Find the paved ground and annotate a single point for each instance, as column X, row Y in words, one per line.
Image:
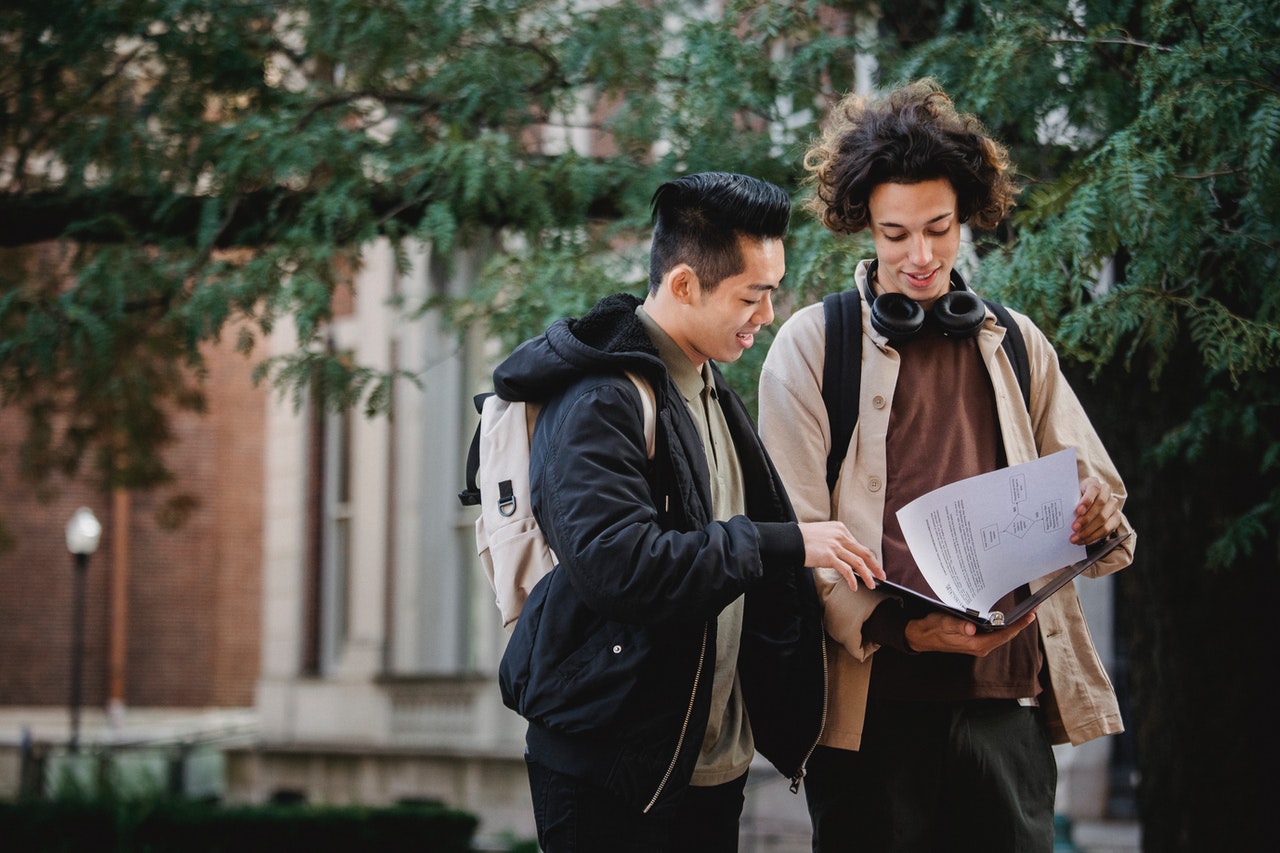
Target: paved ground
column 1107, row 836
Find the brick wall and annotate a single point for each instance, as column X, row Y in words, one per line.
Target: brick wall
column 193, row 593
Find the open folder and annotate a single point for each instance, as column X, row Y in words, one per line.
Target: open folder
column 996, row 619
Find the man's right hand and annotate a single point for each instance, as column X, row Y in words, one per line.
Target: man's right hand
column 829, row 544
column 942, row 632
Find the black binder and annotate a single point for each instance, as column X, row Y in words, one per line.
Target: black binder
column 995, row 620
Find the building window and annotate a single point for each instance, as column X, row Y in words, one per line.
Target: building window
column 335, row 588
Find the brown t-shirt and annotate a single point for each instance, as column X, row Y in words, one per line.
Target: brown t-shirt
column 942, row 428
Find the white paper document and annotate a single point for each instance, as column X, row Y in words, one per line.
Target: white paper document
column 978, row 539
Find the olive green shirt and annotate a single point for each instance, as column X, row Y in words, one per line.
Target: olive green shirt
column 728, row 746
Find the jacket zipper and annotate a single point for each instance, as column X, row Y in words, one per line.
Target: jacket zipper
column 688, row 713
column 822, row 724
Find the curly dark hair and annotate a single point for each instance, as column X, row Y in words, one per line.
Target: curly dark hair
column 911, row 135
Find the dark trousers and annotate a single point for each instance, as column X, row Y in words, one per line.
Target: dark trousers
column 930, row 777
column 575, row 817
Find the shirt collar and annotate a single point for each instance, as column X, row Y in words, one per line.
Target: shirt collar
column 688, row 379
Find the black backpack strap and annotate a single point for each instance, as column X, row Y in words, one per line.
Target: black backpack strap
column 1016, row 348
column 470, row 496
column 841, row 373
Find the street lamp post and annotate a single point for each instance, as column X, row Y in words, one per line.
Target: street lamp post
column 83, row 533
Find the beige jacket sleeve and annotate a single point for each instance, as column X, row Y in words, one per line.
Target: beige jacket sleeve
column 1057, row 421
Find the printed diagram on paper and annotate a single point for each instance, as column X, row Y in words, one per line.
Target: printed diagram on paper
column 980, row 538
column 1050, row 515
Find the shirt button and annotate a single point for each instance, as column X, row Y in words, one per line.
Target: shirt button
column 874, row 484
column 878, row 401
column 617, row 650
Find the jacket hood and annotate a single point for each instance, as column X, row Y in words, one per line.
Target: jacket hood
column 608, row 339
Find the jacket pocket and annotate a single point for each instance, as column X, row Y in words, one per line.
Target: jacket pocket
column 516, row 666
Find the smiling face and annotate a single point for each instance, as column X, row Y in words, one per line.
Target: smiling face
column 722, row 324
column 917, row 238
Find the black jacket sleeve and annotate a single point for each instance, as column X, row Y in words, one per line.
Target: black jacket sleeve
column 620, row 548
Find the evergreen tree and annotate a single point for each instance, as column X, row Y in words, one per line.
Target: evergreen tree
column 1146, row 245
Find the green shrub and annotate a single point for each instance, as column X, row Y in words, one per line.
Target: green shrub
column 178, row 827
column 57, row 827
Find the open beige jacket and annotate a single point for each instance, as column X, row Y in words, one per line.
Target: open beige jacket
column 1080, row 704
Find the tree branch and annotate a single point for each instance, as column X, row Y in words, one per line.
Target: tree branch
column 1126, row 42
column 113, row 216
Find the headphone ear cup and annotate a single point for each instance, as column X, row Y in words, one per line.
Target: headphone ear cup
column 897, row 317
column 960, row 313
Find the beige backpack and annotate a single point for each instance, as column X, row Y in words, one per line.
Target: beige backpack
column 514, row 553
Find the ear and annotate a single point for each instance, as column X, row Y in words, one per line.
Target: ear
column 682, row 282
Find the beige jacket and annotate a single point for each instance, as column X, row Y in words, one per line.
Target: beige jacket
column 1080, row 704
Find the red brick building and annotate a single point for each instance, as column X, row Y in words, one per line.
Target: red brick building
column 172, row 616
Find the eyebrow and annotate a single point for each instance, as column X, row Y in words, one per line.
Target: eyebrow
column 936, row 219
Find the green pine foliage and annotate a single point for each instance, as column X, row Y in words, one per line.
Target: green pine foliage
column 176, row 173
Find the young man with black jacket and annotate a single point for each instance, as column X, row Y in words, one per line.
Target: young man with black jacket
column 681, row 630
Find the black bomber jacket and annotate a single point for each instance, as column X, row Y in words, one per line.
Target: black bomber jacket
column 612, row 657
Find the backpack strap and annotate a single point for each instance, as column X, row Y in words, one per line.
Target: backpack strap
column 470, row 496
column 649, row 405
column 841, row 373
column 1015, row 346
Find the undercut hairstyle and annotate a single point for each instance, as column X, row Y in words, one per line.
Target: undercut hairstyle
column 699, row 219
column 913, row 134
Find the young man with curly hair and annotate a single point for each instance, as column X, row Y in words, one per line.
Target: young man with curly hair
column 939, row 733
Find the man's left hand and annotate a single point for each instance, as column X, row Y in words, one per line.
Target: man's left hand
column 1097, row 514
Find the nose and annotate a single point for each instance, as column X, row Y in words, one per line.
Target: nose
column 764, row 313
column 921, row 251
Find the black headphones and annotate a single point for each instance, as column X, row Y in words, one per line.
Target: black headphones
column 960, row 313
